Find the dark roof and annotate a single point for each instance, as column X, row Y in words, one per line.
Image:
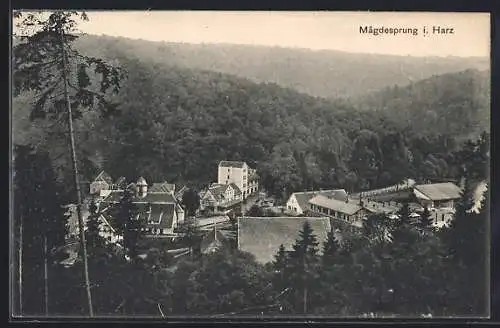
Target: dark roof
column 263, row 236
column 348, row 208
column 237, row 164
column 154, row 215
column 218, row 190
column 162, row 187
column 180, row 193
column 237, row 190
column 152, row 197
column 304, row 197
column 103, row 176
column 440, row 191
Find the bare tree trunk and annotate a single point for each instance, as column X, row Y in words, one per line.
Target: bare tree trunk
column 45, row 276
column 76, row 182
column 305, row 300
column 20, row 266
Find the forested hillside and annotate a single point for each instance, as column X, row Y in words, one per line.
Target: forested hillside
column 318, row 73
column 177, row 124
column 453, row 103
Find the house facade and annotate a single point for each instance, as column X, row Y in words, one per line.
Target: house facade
column 437, row 195
column 237, row 172
column 220, row 197
column 298, row 202
column 102, row 181
column 160, row 211
column 347, row 211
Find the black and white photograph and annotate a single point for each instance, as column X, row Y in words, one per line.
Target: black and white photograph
column 249, row 164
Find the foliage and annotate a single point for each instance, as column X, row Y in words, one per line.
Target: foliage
column 219, row 284
column 126, row 220
column 312, row 73
column 47, row 67
column 191, row 201
column 176, row 123
column 255, row 211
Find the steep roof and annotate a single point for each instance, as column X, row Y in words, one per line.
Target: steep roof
column 104, row 176
column 304, row 197
column 218, row 190
column 237, row 190
column 155, row 197
column 159, row 216
column 440, row 191
column 180, row 192
column 162, row 187
column 336, row 205
column 263, row 236
column 237, row 164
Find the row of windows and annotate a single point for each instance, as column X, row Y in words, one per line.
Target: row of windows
column 332, row 213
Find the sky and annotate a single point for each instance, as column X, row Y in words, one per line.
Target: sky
column 311, row 30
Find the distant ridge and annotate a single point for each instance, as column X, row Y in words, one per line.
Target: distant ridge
column 324, row 73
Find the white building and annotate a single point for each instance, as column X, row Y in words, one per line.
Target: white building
column 298, row 202
column 240, row 174
column 437, row 195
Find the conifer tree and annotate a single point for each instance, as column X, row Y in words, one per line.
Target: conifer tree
column 46, row 63
column 425, row 220
column 304, row 266
column 330, row 249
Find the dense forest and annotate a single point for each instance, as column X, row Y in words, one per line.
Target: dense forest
column 176, row 124
column 456, row 103
column 324, row 73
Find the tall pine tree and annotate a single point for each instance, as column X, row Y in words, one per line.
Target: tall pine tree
column 46, row 63
column 304, row 268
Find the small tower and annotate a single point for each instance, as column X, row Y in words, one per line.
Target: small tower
column 142, row 187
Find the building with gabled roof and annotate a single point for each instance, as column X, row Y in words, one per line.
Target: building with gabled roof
column 239, row 173
column 298, row 202
column 347, row 211
column 102, row 181
column 220, row 197
column 160, row 211
column 437, row 194
column 262, row 236
column 179, row 193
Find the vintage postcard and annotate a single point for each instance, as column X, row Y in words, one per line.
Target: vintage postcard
column 211, row 164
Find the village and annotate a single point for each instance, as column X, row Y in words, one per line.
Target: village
column 225, row 210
